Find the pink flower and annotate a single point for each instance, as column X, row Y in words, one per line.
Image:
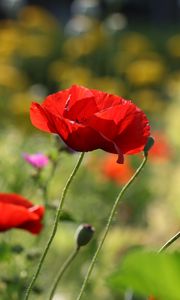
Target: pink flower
column 37, row 160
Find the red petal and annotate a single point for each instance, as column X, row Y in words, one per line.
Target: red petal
column 125, row 125
column 34, row 226
column 108, row 121
column 55, row 103
column 17, row 212
column 81, row 110
column 80, row 105
column 77, row 93
column 83, row 103
column 105, row 100
column 14, row 216
column 38, row 210
column 79, row 137
column 39, row 118
column 134, row 135
column 15, row 199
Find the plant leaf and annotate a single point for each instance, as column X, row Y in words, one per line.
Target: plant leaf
column 149, row 273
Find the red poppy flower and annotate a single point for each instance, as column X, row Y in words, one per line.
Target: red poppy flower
column 88, row 119
column 116, row 172
column 18, row 212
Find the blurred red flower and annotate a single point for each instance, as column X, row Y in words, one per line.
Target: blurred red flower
column 161, row 149
column 89, row 119
column 18, row 212
column 116, row 172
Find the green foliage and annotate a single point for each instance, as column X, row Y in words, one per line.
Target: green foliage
column 5, row 251
column 148, row 273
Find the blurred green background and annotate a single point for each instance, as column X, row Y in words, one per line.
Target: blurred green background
column 128, row 48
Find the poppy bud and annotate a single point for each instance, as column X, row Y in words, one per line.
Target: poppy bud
column 148, row 146
column 84, row 234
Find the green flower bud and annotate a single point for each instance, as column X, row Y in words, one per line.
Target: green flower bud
column 84, row 234
column 148, row 146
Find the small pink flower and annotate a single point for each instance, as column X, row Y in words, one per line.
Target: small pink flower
column 37, row 160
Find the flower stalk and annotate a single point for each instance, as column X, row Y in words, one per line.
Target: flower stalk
column 84, row 235
column 170, row 242
column 64, row 267
column 112, row 213
column 56, row 221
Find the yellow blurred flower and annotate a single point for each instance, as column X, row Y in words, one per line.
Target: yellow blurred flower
column 173, row 122
column 146, row 71
column 149, row 100
column 20, row 103
column 173, row 193
column 66, row 74
column 108, row 84
column 121, row 60
column 12, row 78
column 84, row 44
column 173, row 46
column 134, row 43
column 10, row 37
column 35, row 45
column 173, row 84
column 57, row 69
column 32, row 17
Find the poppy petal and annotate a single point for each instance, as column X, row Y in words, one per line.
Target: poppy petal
column 55, row 103
column 79, row 137
column 124, row 125
column 15, row 199
column 39, row 118
column 14, row 216
column 17, row 212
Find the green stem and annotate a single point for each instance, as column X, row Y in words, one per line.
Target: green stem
column 44, row 187
column 62, row 270
column 56, row 221
column 169, row 242
column 93, row 261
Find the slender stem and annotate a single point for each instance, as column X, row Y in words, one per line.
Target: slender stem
column 62, row 270
column 93, row 261
column 169, row 242
column 45, row 185
column 56, row 221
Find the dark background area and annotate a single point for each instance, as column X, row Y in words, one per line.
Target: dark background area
column 159, row 12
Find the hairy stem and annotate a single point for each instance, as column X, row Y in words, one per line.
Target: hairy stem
column 169, row 242
column 93, row 261
column 56, row 222
column 62, row 270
